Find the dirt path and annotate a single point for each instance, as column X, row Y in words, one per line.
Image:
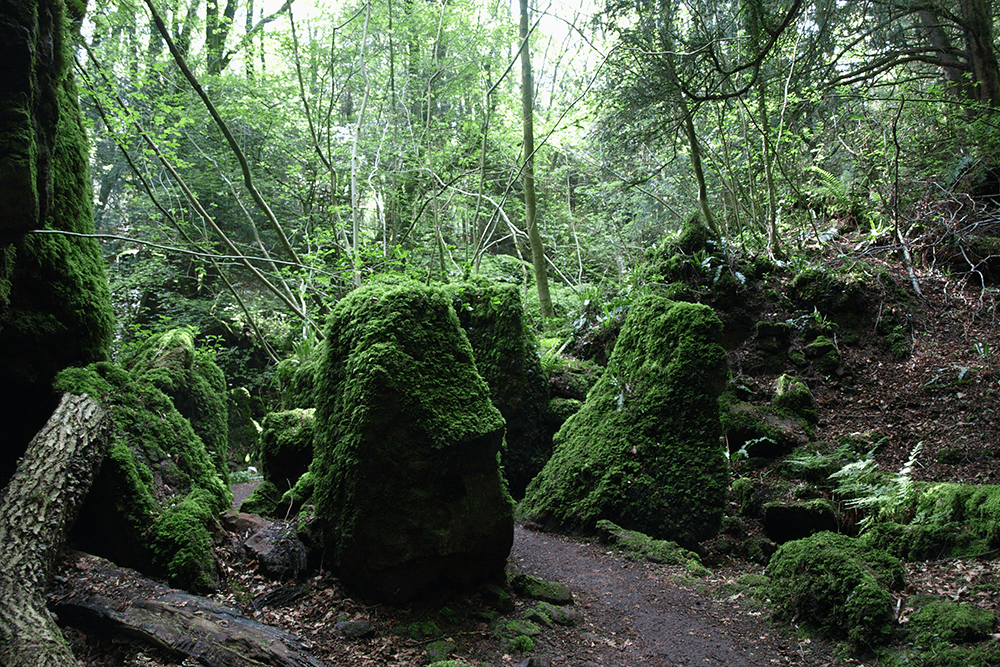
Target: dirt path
column 634, row 615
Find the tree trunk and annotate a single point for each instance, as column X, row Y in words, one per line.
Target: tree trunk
column 528, row 114
column 952, row 67
column 979, row 48
column 699, row 173
column 39, row 506
column 187, row 626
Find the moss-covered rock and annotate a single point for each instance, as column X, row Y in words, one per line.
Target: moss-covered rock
column 820, row 290
column 572, row 378
column 244, row 431
column 823, row 354
column 263, row 501
column 792, row 396
column 920, row 542
column 407, row 481
column 947, row 622
column 644, row 450
column 297, row 382
column 195, row 384
column 642, row 546
column 836, row 585
column 506, row 356
column 286, row 448
column 154, row 503
column 55, row 307
column 760, row 431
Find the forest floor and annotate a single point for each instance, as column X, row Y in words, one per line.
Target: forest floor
column 943, row 396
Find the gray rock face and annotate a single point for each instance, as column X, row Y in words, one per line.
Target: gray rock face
column 273, row 544
column 407, row 482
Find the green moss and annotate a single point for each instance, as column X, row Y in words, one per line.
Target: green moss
column 942, row 656
column 950, row 622
column 506, row 355
column 195, row 384
column 817, row 289
column 763, row 431
column 510, row 628
column 521, row 644
column 286, row 446
column 792, row 395
column 837, row 586
column 263, row 500
column 182, row 542
column 644, row 449
column 644, row 547
column 419, row 629
column 743, row 490
column 297, row 382
column 157, row 473
column 55, row 295
column 406, row 442
column 824, row 355
column 244, row 432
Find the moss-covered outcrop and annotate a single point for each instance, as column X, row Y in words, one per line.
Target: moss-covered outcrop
column 644, row 450
column 244, row 431
column 154, row 504
column 837, row 586
column 507, row 358
column 286, row 448
column 55, row 308
column 195, row 384
column 407, row 482
column 297, row 382
column 945, row 520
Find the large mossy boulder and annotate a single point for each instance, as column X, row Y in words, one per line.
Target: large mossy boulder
column 195, row 384
column 644, row 450
column 406, row 471
column 506, row 355
column 154, row 504
column 286, row 446
column 836, row 585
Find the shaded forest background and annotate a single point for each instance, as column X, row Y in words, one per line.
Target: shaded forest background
column 252, row 163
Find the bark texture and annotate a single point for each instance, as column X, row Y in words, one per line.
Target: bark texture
column 191, row 627
column 39, row 505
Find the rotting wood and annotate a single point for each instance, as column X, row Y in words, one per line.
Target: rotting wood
column 96, row 593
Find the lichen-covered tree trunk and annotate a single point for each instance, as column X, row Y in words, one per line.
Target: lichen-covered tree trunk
column 39, row 505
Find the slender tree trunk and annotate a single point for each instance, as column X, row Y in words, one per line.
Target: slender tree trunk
column 699, row 173
column 39, row 506
column 528, row 113
column 355, row 160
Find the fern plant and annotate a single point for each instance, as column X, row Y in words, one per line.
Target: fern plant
column 882, row 497
column 829, row 186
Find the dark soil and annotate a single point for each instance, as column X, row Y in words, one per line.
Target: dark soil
column 635, row 613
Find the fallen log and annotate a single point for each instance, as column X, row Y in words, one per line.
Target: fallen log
column 39, row 505
column 96, row 593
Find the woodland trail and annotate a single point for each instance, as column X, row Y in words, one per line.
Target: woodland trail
column 634, row 614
